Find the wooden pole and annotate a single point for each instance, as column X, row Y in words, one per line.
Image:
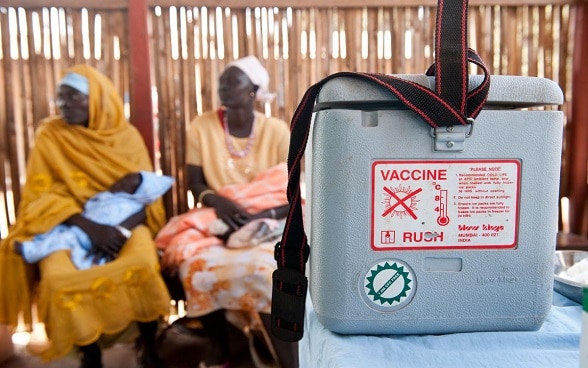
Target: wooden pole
column 579, row 131
column 141, row 104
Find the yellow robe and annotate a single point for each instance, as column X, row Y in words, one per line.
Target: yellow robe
column 68, row 165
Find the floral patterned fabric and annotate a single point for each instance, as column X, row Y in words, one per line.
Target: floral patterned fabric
column 223, row 278
column 215, row 276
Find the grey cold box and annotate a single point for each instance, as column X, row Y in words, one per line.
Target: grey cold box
column 421, row 231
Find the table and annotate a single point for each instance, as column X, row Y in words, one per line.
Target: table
column 556, row 344
column 571, row 241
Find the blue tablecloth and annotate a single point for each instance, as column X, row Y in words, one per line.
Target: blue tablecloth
column 555, row 345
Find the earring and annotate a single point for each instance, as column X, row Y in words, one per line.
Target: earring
column 252, row 94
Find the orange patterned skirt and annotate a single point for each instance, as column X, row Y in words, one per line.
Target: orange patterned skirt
column 215, row 276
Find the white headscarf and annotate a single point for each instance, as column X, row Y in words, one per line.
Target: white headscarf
column 258, row 75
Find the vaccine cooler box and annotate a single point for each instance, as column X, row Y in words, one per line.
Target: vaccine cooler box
column 421, row 231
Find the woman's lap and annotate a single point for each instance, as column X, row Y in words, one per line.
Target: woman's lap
column 77, row 306
column 222, row 278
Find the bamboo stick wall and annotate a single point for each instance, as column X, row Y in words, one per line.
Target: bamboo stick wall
column 191, row 45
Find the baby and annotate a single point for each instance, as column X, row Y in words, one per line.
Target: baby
column 126, row 197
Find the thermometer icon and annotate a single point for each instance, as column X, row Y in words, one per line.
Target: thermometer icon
column 443, row 219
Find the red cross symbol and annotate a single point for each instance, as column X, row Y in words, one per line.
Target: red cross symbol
column 401, row 202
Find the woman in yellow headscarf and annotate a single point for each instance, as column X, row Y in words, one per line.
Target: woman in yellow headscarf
column 76, row 155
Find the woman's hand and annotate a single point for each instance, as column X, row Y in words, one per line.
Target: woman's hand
column 231, row 213
column 106, row 240
column 275, row 213
column 18, row 247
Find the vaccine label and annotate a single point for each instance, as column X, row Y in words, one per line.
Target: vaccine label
column 457, row 204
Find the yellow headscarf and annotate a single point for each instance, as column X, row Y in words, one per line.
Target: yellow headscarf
column 68, row 165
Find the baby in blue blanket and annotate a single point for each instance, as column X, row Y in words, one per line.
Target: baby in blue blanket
column 126, row 197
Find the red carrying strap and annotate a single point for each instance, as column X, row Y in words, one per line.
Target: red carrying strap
column 450, row 104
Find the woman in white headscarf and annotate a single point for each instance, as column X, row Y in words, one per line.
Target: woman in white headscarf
column 223, row 249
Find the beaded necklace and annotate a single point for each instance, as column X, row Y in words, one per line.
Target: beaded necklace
column 230, row 147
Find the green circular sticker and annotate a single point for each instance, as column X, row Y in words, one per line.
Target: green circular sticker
column 389, row 284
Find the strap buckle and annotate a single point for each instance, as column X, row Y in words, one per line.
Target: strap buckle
column 288, row 304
